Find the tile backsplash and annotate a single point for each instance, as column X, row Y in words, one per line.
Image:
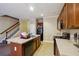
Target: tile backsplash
column 71, row 31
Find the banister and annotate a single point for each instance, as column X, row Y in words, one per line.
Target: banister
column 9, row 28
column 12, row 28
column 10, row 17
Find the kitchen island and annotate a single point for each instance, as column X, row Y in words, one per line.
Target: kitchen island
column 64, row 47
column 24, row 47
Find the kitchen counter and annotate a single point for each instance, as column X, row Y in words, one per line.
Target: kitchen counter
column 20, row 40
column 66, row 48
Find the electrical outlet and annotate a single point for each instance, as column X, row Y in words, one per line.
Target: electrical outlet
column 15, row 48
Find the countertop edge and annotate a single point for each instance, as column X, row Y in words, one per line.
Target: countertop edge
column 25, row 40
column 64, row 49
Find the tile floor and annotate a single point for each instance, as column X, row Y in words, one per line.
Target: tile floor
column 45, row 49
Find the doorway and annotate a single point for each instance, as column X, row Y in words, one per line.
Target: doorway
column 39, row 27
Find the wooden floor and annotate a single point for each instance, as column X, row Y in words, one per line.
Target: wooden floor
column 45, row 49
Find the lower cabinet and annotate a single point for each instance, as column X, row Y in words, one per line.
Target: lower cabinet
column 38, row 42
column 16, row 49
column 29, row 48
column 56, row 51
column 26, row 49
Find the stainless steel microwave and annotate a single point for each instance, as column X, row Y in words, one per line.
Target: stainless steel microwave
column 60, row 24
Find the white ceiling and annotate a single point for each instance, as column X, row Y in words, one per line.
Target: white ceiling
column 21, row 10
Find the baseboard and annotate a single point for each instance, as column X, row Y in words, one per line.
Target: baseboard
column 48, row 41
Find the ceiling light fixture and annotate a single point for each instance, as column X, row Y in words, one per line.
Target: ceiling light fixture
column 31, row 8
column 42, row 15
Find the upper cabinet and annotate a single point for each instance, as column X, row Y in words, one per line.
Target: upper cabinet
column 77, row 15
column 64, row 16
column 69, row 16
column 62, row 19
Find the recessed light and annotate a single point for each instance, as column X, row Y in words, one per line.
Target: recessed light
column 31, row 8
column 42, row 14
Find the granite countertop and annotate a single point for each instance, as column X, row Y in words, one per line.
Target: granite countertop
column 66, row 48
column 21, row 41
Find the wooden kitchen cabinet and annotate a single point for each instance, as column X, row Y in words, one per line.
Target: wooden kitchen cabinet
column 56, row 50
column 77, row 15
column 70, row 16
column 63, row 16
column 73, row 15
column 29, row 48
column 25, row 49
column 38, row 42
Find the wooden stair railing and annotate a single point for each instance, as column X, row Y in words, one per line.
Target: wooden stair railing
column 10, row 17
column 10, row 29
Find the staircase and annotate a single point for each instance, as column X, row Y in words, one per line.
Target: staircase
column 5, row 36
column 9, row 31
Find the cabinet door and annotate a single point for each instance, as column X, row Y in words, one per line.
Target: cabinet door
column 60, row 20
column 64, row 16
column 16, row 49
column 28, row 48
column 38, row 42
column 77, row 15
column 70, row 15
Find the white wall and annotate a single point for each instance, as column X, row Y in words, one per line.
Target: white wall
column 50, row 27
column 6, row 22
column 71, row 31
column 24, row 25
column 28, row 25
column 33, row 26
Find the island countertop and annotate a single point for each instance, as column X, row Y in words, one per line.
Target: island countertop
column 20, row 40
column 67, row 48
